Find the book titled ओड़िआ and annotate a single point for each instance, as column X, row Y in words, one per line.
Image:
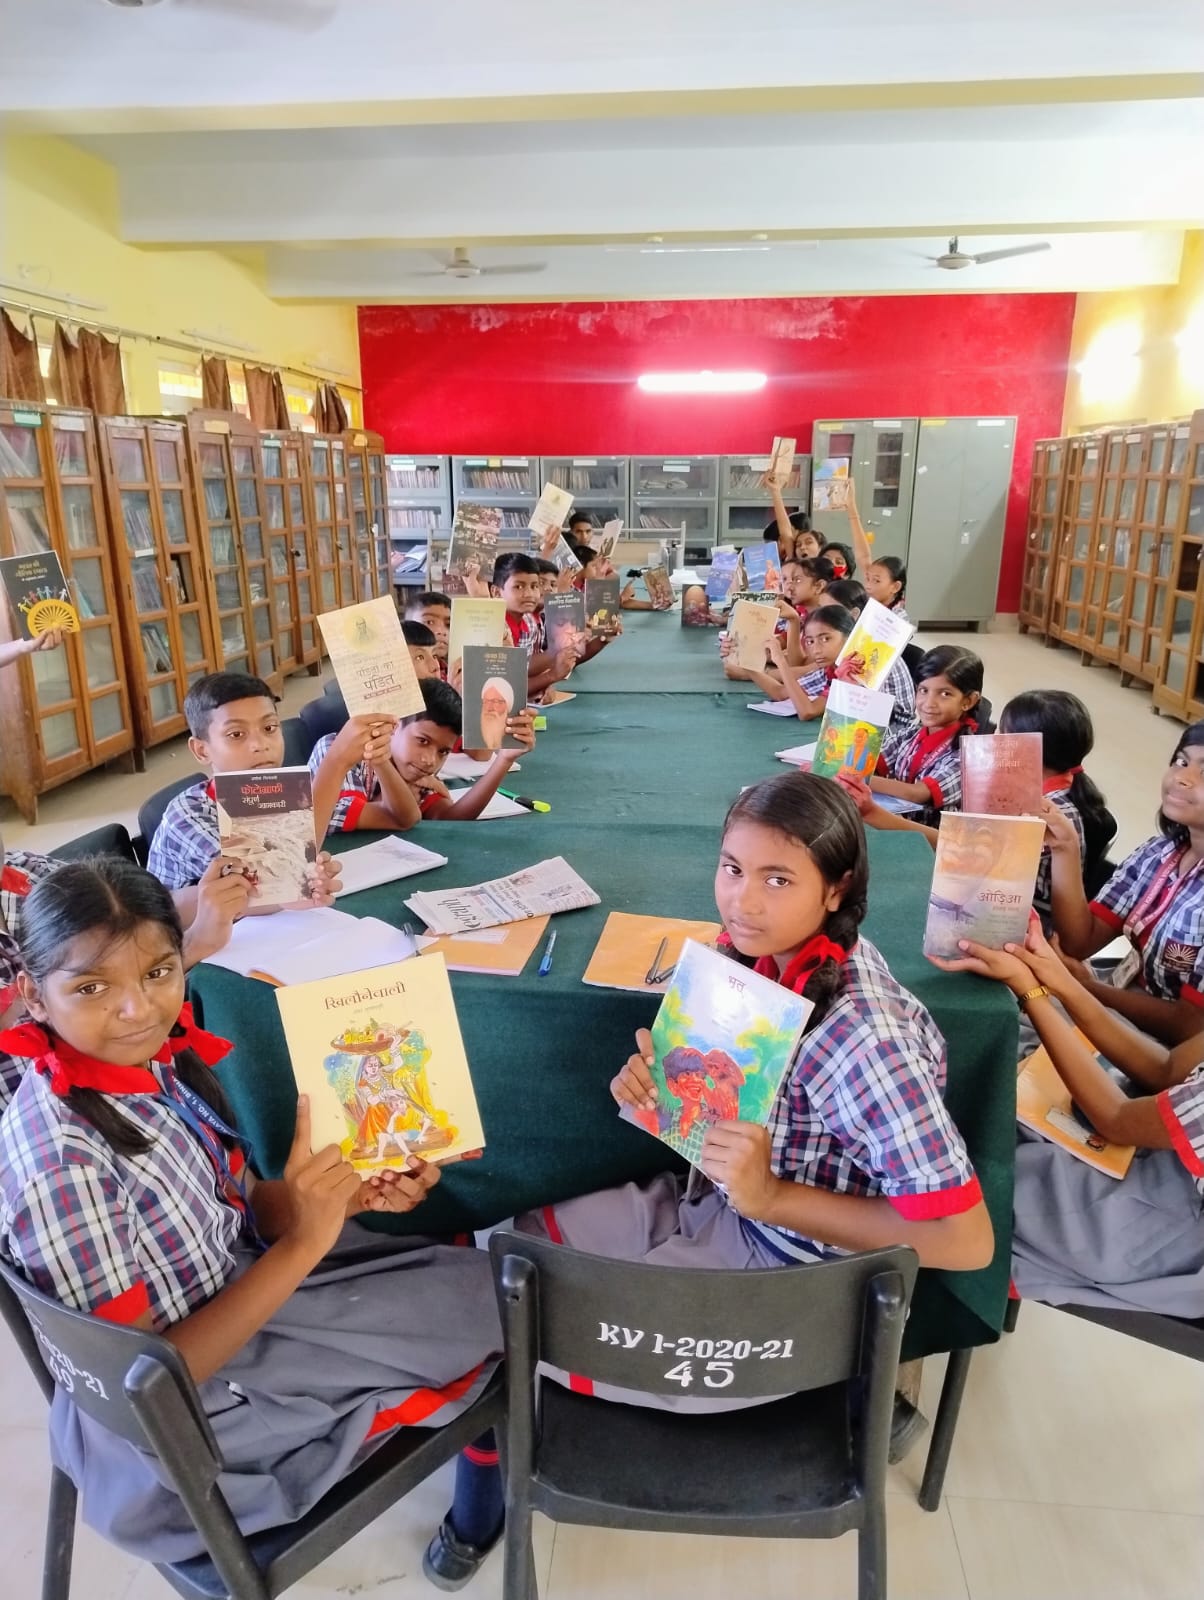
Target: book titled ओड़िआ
column 982, row 881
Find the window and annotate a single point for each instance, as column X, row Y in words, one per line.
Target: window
column 179, row 386
column 300, row 408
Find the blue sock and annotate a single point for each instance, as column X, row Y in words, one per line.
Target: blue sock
column 478, row 1505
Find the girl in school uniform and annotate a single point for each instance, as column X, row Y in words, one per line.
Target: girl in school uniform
column 920, row 762
column 885, row 576
column 126, row 1193
column 1080, row 1236
column 859, row 1151
column 1155, row 898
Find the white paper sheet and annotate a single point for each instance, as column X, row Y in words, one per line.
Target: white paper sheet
column 384, row 861
column 775, row 708
column 300, row 946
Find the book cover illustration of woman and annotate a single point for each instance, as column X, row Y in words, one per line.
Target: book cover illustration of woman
column 379, row 1075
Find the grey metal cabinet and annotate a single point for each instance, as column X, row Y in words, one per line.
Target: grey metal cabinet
column 745, row 507
column 598, row 484
column 963, row 467
column 881, row 453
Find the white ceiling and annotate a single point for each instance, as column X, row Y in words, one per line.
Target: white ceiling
column 355, row 142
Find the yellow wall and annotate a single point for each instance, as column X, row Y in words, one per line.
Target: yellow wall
column 1135, row 370
column 59, row 216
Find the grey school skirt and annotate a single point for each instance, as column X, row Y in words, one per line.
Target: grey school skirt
column 382, row 1323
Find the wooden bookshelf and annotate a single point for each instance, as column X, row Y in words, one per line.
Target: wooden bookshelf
column 1076, row 537
column 1159, row 496
column 365, row 456
column 1046, row 491
column 287, row 514
column 165, row 617
column 1179, row 681
column 326, row 457
column 64, row 711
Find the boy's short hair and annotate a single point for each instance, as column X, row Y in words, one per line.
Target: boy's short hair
column 443, row 706
column 584, row 553
column 428, row 597
column 217, row 689
column 418, row 634
column 580, row 516
column 549, row 569
column 512, row 561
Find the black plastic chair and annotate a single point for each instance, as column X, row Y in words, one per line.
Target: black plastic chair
column 913, row 654
column 150, row 812
column 326, row 714
column 110, row 840
column 298, row 746
column 136, row 1384
column 810, row 1465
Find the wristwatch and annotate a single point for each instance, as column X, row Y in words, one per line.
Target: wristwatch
column 1034, row 993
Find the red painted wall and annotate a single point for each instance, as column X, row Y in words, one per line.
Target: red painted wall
column 560, row 379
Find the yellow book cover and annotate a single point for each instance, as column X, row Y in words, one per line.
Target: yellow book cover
column 502, row 951
column 475, row 622
column 380, row 1056
column 877, row 642
column 640, row 953
column 749, row 632
column 370, row 660
column 1044, row 1104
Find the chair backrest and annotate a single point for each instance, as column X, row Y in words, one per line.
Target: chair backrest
column 674, row 1331
column 331, row 687
column 150, row 813
column 111, row 840
column 913, row 654
column 298, row 745
column 326, row 714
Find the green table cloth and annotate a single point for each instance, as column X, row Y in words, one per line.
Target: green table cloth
column 656, row 652
column 543, row 1050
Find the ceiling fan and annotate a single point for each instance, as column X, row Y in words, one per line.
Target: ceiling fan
column 460, row 266
column 954, row 259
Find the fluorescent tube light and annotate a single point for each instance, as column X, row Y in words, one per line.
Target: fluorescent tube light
column 704, row 382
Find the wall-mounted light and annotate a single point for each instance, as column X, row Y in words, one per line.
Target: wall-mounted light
column 1111, row 364
column 704, row 382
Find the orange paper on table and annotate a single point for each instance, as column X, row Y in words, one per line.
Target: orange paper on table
column 1044, row 1104
column 630, row 948
column 505, row 957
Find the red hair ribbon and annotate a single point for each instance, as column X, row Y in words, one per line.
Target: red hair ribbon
column 805, row 962
column 14, row 881
column 187, row 1035
column 68, row 1068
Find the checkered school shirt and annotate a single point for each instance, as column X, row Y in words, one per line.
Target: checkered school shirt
column 187, row 838
column 359, row 786
column 111, row 1234
column 862, row 1113
column 897, row 683
column 21, row 871
column 1182, row 1110
column 1172, row 951
column 940, row 771
column 1043, row 892
column 527, row 629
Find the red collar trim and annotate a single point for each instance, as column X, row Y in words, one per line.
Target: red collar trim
column 14, row 881
column 211, row 789
column 1060, row 781
column 928, row 743
column 68, row 1068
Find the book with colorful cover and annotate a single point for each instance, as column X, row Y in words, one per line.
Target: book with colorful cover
column 748, row 634
column 762, row 567
column 265, row 820
column 781, row 462
column 560, row 553
column 724, row 577
column 607, row 542
column 494, row 687
column 1001, row 774
column 37, row 591
column 475, row 621
column 369, row 656
column 982, row 881
column 473, row 546
column 723, row 1041
column 696, row 608
column 660, row 590
column 564, row 622
column 552, row 507
column 380, row 1055
column 830, row 484
column 602, row 606
column 641, row 953
column 878, row 639
column 854, row 725
column 1045, row 1105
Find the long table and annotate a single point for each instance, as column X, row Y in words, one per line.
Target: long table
column 656, row 652
column 638, row 784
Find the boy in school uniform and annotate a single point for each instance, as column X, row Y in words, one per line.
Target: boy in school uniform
column 400, row 788
column 433, row 609
column 517, row 579
column 422, row 644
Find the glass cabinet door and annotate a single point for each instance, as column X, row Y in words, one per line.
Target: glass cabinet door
column 262, row 642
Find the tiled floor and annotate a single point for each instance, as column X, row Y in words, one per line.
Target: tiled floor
column 1079, row 1464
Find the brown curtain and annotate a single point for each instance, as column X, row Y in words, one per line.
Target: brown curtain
column 265, row 397
column 215, row 384
column 86, row 372
column 328, row 411
column 20, row 374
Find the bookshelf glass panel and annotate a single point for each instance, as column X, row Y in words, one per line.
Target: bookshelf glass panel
column 1195, row 510
column 18, row 452
column 292, row 463
column 51, row 677
column 190, row 635
column 272, row 459
column 273, row 495
column 248, row 497
column 322, row 501
column 210, row 456
column 243, row 458
column 181, row 578
column 674, row 477
column 107, row 717
column 136, row 519
column 167, row 462
column 60, row 736
column 296, row 505
column 70, row 449
column 252, row 541
column 336, row 460
column 303, row 597
column 129, row 459
column 79, row 518
column 27, row 520
column 164, row 701
column 228, row 585
column 90, row 587
column 217, row 500
column 156, row 649
column 404, row 475
column 329, row 603
column 99, row 659
column 279, row 558
column 175, row 523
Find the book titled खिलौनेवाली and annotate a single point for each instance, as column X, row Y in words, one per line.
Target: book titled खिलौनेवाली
column 380, row 1056
column 723, row 1041
column 370, row 659
column 475, row 621
column 564, row 622
column 1001, row 774
column 494, row 689
column 265, row 820
column 982, row 881
column 854, row 725
column 877, row 642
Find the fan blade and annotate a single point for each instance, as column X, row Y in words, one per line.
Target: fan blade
column 1017, row 250
column 302, row 16
column 521, row 266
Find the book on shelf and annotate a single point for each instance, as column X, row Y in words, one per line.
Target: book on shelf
column 500, row 480
column 602, row 606
column 380, row 1055
column 660, row 590
column 564, row 621
column 982, row 881
column 265, row 820
column 724, row 577
column 607, row 542
column 640, row 953
column 854, row 725
column 473, row 546
column 781, row 462
column 723, row 1042
column 1002, row 774
column 370, row 659
column 475, row 621
column 542, row 889
column 38, row 594
column 551, row 509
column 156, row 650
column 1045, row 1106
column 830, row 484
column 749, row 631
column 761, row 566
column 503, row 952
column 877, row 640
column 494, row 687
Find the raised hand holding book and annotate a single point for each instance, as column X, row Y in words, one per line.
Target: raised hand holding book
column 368, row 652
column 494, row 689
column 829, row 484
column 38, row 594
column 749, row 632
column 552, row 507
column 265, row 820
column 781, row 463
column 875, row 644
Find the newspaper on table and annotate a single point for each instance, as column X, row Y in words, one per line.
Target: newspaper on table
column 536, row 891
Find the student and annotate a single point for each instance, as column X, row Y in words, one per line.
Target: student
column 629, row 601
column 860, row 1151
column 13, row 649
column 580, row 528
column 400, row 787
column 824, row 634
column 1155, row 898
column 846, row 592
column 791, row 529
column 920, row 760
column 549, row 573
column 127, row 1194
column 1081, row 1237
column 516, row 578
column 841, row 557
column 885, row 576
column 234, row 727
column 420, row 642
column 433, row 610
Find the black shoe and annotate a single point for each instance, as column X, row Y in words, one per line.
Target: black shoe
column 448, row 1562
column 908, row 1424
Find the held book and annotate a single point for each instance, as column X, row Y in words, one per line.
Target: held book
column 472, row 549
column 854, row 725
column 641, row 953
column 379, row 1054
column 749, row 632
column 560, row 553
column 37, row 591
column 781, row 462
column 723, row 1039
column 602, row 606
column 724, row 577
column 552, row 507
column 608, row 540
column 1001, row 774
column 878, row 640
column 265, row 820
column 829, row 484
column 660, row 590
column 494, row 688
column 545, row 888
column 475, row 621
column 982, row 881
column 368, row 652
column 564, row 622
column 1044, row 1105
column 762, row 566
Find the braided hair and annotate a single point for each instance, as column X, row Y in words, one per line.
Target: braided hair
column 819, row 815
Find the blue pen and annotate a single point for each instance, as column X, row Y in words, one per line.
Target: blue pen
column 545, row 961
